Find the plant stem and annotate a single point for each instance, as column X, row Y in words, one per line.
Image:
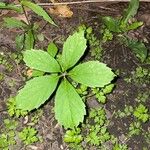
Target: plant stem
column 25, row 13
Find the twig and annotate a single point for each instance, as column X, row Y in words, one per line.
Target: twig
column 83, row 2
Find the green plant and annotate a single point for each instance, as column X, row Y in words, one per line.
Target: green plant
column 10, row 6
column 94, row 43
column 1, row 76
column 7, row 134
column 73, row 136
column 147, row 136
column 12, row 110
column 136, row 46
column 121, row 25
column 140, row 76
column 120, row 147
column 128, row 110
column 82, row 90
column 141, row 113
column 69, row 108
column 134, row 129
column 28, row 135
column 97, row 132
column 107, row 35
column 26, row 39
column 100, row 93
column 143, row 97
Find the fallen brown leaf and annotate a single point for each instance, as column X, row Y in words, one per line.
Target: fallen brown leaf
column 21, row 17
column 29, row 72
column 63, row 11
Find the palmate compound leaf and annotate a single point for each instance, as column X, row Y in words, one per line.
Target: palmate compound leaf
column 92, row 74
column 40, row 60
column 69, row 107
column 73, row 49
column 36, row 92
column 38, row 10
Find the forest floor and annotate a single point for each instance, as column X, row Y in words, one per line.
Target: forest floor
column 130, row 90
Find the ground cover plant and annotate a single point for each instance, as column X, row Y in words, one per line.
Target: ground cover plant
column 121, row 26
column 69, row 108
column 50, row 99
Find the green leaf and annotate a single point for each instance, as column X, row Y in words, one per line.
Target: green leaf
column 92, row 74
column 19, row 40
column 38, row 10
column 36, row 92
column 40, row 60
column 134, row 25
column 69, row 108
column 138, row 48
column 112, row 24
column 131, row 11
column 14, row 23
column 37, row 73
column 10, row 6
column 52, row 49
column 2, row 4
column 73, row 49
column 29, row 40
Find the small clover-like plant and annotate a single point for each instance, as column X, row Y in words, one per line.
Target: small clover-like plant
column 28, row 135
column 141, row 112
column 12, row 111
column 69, row 107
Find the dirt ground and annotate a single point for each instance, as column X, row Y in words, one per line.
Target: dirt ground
column 115, row 55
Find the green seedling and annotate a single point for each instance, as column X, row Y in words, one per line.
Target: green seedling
column 7, row 134
column 140, row 76
column 1, row 77
column 12, row 110
column 141, row 113
column 147, row 136
column 136, row 46
column 100, row 93
column 97, row 131
column 121, row 25
column 28, row 135
column 143, row 97
column 134, row 129
column 73, row 136
column 120, row 147
column 74, row 146
column 128, row 111
column 107, row 35
column 94, row 43
column 69, row 107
